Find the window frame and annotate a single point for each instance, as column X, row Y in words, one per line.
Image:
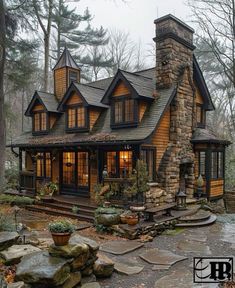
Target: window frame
column 44, row 169
column 202, row 122
column 76, row 128
column 40, row 132
column 123, row 123
column 69, row 76
column 199, row 163
column 218, row 174
column 153, row 150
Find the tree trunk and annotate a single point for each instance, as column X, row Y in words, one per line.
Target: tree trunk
column 2, row 112
column 46, row 62
column 59, row 31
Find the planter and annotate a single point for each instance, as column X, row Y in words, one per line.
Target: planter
column 132, row 220
column 123, row 219
column 61, row 239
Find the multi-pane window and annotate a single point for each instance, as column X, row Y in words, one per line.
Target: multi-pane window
column 202, row 163
column 69, row 168
column 119, row 163
column 76, row 117
column 217, row 165
column 73, row 76
column 43, row 165
column 148, row 156
column 124, row 111
column 40, row 122
column 83, row 169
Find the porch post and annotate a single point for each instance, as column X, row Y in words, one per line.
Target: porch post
column 20, row 169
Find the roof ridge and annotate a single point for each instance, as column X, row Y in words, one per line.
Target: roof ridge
column 86, row 84
column 136, row 74
column 145, row 69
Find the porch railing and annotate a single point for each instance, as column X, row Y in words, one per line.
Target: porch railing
column 117, row 188
column 27, row 181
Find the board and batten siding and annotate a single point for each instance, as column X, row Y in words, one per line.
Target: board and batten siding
column 38, row 107
column 60, row 82
column 161, row 137
column 120, row 90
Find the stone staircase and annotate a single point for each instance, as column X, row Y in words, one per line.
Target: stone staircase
column 61, row 207
column 199, row 219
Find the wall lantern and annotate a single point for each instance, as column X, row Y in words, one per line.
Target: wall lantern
column 181, row 200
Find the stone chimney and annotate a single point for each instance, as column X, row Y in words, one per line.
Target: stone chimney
column 174, row 49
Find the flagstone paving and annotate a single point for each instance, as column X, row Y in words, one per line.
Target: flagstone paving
column 194, row 247
column 127, row 267
column 161, row 257
column 120, row 247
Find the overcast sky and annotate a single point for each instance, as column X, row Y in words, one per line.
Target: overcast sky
column 135, row 16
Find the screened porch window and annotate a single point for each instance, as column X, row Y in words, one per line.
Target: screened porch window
column 76, row 118
column 201, row 163
column 119, row 163
column 148, row 156
column 217, row 164
column 43, row 165
column 40, row 122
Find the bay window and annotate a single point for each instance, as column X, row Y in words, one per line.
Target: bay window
column 202, row 163
column 217, row 164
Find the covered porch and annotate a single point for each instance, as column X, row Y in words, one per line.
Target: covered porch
column 78, row 169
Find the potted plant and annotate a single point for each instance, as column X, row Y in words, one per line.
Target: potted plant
column 132, row 219
column 75, row 209
column 199, row 189
column 125, row 215
column 47, row 190
column 61, row 231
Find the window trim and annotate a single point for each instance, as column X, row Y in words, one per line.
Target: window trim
column 199, row 164
column 76, row 128
column 40, row 132
column 124, row 124
column 69, row 76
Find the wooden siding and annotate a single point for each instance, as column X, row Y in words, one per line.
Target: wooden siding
column 217, row 187
column 93, row 115
column 142, row 109
column 74, row 99
column 52, row 120
column 161, row 137
column 60, row 82
column 120, row 90
column 38, row 107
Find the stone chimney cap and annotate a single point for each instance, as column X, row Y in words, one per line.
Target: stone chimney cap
column 172, row 17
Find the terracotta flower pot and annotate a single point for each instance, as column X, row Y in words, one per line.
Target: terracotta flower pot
column 61, row 239
column 123, row 219
column 132, row 220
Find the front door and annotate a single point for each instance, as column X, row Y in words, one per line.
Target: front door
column 75, row 173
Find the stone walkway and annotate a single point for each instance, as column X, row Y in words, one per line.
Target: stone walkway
column 167, row 261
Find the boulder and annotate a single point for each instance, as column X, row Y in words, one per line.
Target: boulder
column 107, row 219
column 73, row 280
column 39, row 268
column 77, row 239
column 7, row 239
column 80, row 261
column 103, row 266
column 88, row 279
column 13, row 254
column 68, row 251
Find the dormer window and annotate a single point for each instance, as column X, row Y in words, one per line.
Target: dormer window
column 40, row 122
column 201, row 116
column 77, row 118
column 73, row 76
column 124, row 112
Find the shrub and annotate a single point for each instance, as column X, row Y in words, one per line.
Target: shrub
column 75, row 209
column 63, row 226
column 16, row 200
column 12, row 178
column 7, row 222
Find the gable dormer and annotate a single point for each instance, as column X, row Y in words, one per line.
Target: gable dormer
column 129, row 95
column 66, row 71
column 43, row 110
column 82, row 107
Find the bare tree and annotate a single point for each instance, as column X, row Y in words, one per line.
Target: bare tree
column 44, row 11
column 2, row 112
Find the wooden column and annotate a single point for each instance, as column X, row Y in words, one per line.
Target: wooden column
column 20, row 168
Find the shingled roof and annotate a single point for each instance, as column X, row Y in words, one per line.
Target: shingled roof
column 201, row 135
column 48, row 100
column 66, row 60
column 102, row 132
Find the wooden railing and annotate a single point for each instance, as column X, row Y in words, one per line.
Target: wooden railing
column 117, row 187
column 27, row 181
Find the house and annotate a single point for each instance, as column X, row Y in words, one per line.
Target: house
column 157, row 115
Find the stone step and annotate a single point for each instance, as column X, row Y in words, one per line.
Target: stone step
column 77, row 203
column 66, row 208
column 198, row 217
column 56, row 212
column 207, row 222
